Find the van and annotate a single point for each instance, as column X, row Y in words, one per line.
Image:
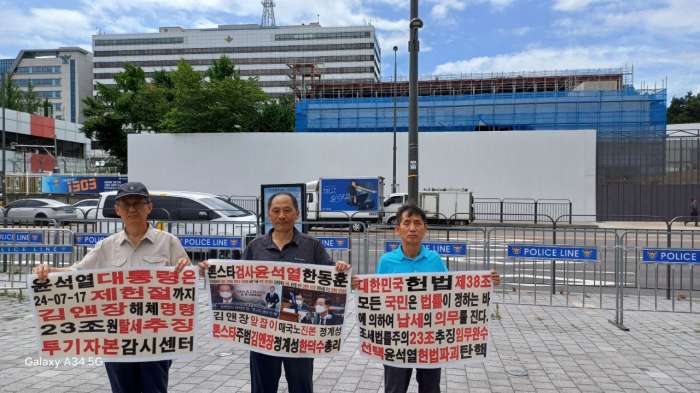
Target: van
column 185, row 213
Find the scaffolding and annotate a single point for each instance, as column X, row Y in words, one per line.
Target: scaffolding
column 483, row 83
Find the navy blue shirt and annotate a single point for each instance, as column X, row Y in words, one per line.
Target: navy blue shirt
column 301, row 249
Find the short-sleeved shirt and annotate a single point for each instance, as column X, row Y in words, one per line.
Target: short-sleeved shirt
column 427, row 261
column 157, row 249
column 301, row 249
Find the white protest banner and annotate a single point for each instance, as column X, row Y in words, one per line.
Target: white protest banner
column 424, row 320
column 129, row 315
column 278, row 308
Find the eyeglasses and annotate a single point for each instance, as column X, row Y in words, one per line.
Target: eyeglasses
column 136, row 205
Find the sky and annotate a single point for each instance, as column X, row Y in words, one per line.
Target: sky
column 658, row 39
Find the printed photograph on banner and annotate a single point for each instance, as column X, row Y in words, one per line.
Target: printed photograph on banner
column 278, row 308
column 312, row 307
column 260, row 299
column 130, row 315
column 424, row 320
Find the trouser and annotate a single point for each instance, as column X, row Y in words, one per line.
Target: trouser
column 139, row 377
column 265, row 372
column 396, row 379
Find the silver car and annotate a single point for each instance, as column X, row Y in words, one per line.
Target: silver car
column 38, row 211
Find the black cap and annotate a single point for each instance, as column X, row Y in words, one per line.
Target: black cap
column 132, row 189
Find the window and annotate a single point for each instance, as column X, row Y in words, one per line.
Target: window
column 164, row 207
column 37, row 82
column 16, row 204
column 309, row 197
column 225, row 208
column 322, row 36
column 248, row 49
column 395, row 199
column 34, row 203
column 39, row 70
column 250, row 60
column 48, row 94
column 189, row 210
column 108, row 207
column 141, row 41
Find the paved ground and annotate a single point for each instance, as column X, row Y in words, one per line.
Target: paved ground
column 533, row 349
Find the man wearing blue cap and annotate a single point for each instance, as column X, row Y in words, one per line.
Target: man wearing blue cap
column 137, row 245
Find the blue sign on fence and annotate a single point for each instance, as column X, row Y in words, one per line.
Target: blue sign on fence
column 21, row 237
column 561, row 253
column 210, row 242
column 670, row 255
column 334, row 243
column 89, row 239
column 445, row 249
column 37, row 250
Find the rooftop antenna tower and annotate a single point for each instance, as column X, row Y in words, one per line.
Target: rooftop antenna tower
column 268, row 16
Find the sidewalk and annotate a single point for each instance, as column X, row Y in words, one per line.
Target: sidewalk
column 533, row 349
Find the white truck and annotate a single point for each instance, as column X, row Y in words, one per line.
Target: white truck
column 345, row 199
column 441, row 205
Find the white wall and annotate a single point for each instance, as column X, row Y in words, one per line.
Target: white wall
column 512, row 164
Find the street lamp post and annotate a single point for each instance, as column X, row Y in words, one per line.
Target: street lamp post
column 4, row 196
column 393, row 179
column 413, row 48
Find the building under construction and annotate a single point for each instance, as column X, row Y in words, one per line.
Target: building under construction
column 602, row 99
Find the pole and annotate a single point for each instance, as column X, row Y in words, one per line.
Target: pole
column 4, row 196
column 393, row 179
column 413, row 48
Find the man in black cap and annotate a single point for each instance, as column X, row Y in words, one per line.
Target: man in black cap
column 137, row 245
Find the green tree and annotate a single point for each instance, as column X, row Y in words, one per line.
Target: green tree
column 685, row 109
column 182, row 100
column 221, row 69
column 46, row 108
column 130, row 105
column 11, row 95
column 30, row 101
column 276, row 116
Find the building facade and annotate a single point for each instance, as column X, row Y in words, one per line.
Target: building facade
column 31, row 140
column 603, row 100
column 62, row 76
column 283, row 59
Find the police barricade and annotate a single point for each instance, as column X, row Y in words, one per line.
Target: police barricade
column 570, row 267
column 202, row 239
column 462, row 248
column 660, row 270
column 21, row 249
column 342, row 241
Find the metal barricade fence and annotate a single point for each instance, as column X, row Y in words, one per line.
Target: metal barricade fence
column 227, row 240
column 22, row 249
column 462, row 248
column 555, row 281
column 657, row 286
column 342, row 241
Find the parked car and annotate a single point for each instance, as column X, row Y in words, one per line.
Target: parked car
column 86, row 209
column 38, row 211
column 190, row 213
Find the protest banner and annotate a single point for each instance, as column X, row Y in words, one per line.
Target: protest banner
column 424, row 320
column 130, row 315
column 278, row 308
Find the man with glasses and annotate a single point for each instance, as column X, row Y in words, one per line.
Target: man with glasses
column 137, row 245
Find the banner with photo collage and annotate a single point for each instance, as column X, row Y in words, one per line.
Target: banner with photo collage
column 278, row 308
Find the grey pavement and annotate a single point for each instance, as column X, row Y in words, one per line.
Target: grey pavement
column 533, row 349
